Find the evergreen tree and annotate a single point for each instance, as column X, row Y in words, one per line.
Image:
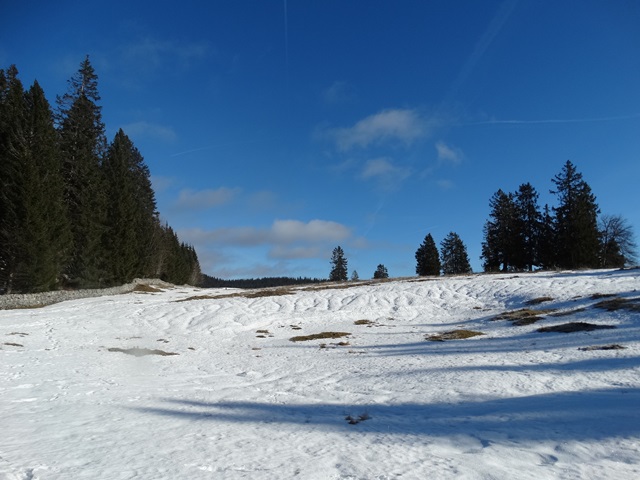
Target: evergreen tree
column 338, row 266
column 576, row 220
column 131, row 210
column 500, row 233
column 547, row 240
column 428, row 258
column 82, row 144
column 12, row 128
column 43, row 230
column 454, row 255
column 617, row 245
column 528, row 225
column 381, row 272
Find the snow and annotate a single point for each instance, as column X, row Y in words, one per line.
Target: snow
column 237, row 403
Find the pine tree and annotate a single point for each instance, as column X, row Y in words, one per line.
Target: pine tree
column 132, row 212
column 381, row 272
column 576, row 220
column 528, row 227
column 500, row 233
column 338, row 266
column 428, row 258
column 43, row 231
column 547, row 240
column 83, row 144
column 454, row 255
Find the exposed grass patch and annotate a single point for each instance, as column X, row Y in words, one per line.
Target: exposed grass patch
column 598, row 296
column 144, row 288
column 319, row 336
column 11, row 344
column 141, row 352
column 613, row 346
column 538, row 300
column 524, row 316
column 617, row 303
column 199, row 297
column 567, row 312
column 452, row 335
column 363, row 322
column 575, row 327
column 269, row 292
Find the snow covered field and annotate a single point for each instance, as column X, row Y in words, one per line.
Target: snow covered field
column 88, row 390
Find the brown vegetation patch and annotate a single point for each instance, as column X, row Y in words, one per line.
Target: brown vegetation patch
column 538, row 301
column 567, row 312
column 144, row 288
column 363, row 322
column 11, row 344
column 141, row 352
column 575, row 327
column 269, row 292
column 524, row 316
column 613, row 346
column 452, row 335
column 598, row 296
column 318, row 336
column 199, row 297
column 630, row 304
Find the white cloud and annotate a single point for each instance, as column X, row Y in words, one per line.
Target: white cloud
column 448, row 154
column 401, row 125
column 204, row 199
column 146, row 129
column 315, row 231
column 151, row 53
column 445, row 184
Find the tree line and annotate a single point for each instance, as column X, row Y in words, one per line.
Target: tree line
column 520, row 236
column 75, row 210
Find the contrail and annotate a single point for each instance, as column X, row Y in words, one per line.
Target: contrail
column 557, row 120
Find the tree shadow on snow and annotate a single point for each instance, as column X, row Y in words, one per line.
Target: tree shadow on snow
column 581, row 416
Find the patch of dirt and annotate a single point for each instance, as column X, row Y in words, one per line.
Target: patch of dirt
column 538, row 301
column 614, row 346
column 452, row 335
column 319, row 336
column 617, row 303
column 524, row 316
column 141, row 352
column 575, row 327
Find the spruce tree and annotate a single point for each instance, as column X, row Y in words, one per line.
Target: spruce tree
column 82, row 144
column 576, row 220
column 381, row 272
column 428, row 258
column 528, row 225
column 132, row 215
column 547, row 240
column 454, row 255
column 338, row 266
column 499, row 247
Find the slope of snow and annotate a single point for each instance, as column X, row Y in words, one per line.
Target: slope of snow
column 238, row 403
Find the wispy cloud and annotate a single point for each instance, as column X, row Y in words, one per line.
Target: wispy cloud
column 445, row 184
column 556, row 120
column 394, row 125
column 204, row 199
column 149, row 52
column 338, row 93
column 448, row 154
column 286, row 239
column 152, row 130
column 382, row 170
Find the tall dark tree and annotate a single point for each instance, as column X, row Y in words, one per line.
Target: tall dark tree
column 132, row 215
column 528, row 225
column 454, row 255
column 547, row 240
column 428, row 258
column 617, row 245
column 381, row 272
column 576, row 220
column 499, row 248
column 338, row 266
column 12, row 129
column 82, row 144
column 43, row 230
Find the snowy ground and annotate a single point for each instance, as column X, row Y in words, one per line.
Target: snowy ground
column 240, row 400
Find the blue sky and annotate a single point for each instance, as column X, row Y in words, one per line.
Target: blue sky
column 277, row 130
